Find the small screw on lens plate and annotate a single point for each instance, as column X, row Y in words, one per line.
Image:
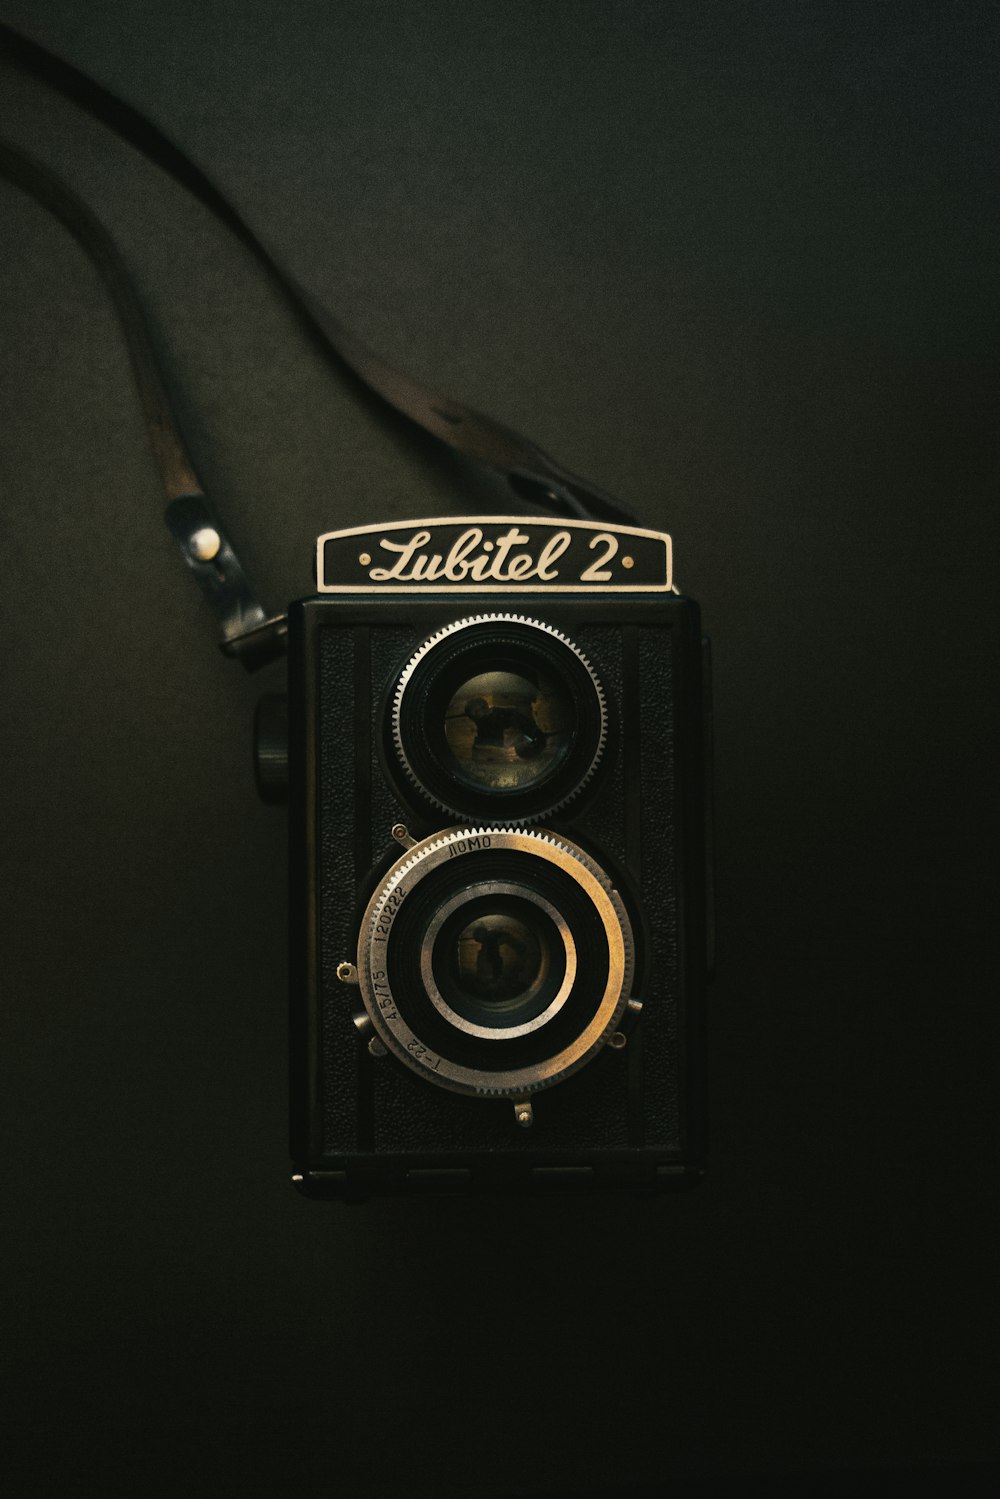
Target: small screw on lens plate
column 617, row 1041
column 523, row 1113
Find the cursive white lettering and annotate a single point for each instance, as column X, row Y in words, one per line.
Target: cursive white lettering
column 551, row 552
column 521, row 566
column 513, row 538
column 456, row 567
column 471, row 558
column 405, row 549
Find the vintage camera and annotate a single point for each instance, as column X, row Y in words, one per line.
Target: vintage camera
column 497, row 792
column 494, row 751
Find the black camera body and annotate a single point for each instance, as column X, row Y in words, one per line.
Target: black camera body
column 498, row 801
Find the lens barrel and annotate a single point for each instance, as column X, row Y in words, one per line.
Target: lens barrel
column 496, row 961
column 499, row 717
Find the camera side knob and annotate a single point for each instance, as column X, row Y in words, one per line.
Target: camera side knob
column 270, row 755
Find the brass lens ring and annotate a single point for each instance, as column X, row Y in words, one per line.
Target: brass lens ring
column 398, row 999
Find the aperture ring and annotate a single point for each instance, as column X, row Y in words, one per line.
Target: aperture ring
column 386, row 980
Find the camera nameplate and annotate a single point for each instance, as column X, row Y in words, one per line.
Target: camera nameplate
column 494, row 554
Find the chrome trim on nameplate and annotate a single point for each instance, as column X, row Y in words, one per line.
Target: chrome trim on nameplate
column 494, row 554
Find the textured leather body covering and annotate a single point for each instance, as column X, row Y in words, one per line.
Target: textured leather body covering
column 642, row 820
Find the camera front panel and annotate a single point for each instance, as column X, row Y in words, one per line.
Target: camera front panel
column 577, row 726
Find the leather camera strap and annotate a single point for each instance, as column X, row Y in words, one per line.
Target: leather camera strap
column 191, row 519
column 531, row 473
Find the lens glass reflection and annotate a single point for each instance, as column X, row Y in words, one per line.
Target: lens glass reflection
column 507, row 730
column 496, row 961
column 499, row 958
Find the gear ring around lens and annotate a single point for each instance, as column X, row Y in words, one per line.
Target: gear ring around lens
column 387, row 1006
column 430, row 777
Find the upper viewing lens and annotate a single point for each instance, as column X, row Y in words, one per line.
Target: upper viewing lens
column 505, row 730
column 499, row 712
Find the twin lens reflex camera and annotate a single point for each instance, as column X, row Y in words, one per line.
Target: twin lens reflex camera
column 494, row 752
column 496, row 776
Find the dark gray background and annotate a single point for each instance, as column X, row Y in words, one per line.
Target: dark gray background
column 738, row 265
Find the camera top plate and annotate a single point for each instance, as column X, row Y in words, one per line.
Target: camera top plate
column 494, row 554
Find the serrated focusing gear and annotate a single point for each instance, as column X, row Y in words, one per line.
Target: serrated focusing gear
column 499, row 717
column 496, row 961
